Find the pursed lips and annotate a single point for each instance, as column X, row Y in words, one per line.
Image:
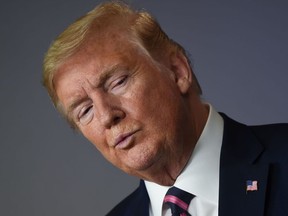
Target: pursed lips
column 123, row 140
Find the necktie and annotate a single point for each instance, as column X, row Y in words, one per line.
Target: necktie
column 178, row 201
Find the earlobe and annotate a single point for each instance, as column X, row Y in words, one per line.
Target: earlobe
column 182, row 71
column 183, row 85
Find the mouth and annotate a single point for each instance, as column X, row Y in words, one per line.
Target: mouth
column 124, row 141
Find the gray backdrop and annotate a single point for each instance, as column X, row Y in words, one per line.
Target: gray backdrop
column 239, row 50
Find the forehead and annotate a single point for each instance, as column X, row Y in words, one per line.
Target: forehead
column 96, row 56
column 109, row 44
column 102, row 50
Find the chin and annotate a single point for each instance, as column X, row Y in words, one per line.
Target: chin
column 143, row 165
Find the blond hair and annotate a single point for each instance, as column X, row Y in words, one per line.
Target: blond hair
column 140, row 23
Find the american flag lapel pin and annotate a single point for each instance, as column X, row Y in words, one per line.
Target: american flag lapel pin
column 251, row 185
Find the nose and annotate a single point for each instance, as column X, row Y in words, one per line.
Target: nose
column 108, row 111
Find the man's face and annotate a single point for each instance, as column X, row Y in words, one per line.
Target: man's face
column 126, row 104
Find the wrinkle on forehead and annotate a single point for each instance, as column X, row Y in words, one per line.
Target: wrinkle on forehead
column 98, row 52
column 93, row 63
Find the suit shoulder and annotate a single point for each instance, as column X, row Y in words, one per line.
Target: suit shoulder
column 273, row 136
column 272, row 132
column 274, row 128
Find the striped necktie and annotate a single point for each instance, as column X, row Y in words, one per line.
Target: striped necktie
column 178, row 201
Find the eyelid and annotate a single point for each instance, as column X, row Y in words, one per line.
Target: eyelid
column 86, row 114
column 80, row 109
column 84, row 110
column 119, row 81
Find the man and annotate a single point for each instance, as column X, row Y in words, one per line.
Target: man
column 130, row 90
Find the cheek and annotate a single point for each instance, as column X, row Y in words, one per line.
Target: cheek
column 146, row 98
column 160, row 106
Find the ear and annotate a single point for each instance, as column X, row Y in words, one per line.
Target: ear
column 182, row 71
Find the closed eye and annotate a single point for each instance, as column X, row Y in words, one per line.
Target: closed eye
column 86, row 115
column 116, row 85
column 118, row 82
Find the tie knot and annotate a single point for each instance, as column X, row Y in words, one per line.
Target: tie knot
column 178, row 200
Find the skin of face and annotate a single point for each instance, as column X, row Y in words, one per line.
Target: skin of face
column 134, row 109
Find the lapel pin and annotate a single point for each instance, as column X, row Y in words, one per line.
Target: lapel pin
column 251, row 185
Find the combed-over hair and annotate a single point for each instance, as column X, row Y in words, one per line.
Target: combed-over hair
column 139, row 23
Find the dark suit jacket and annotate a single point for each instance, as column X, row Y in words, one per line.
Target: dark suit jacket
column 257, row 153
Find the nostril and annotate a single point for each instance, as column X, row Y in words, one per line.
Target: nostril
column 118, row 116
column 117, row 119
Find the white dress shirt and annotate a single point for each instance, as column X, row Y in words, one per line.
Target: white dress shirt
column 200, row 176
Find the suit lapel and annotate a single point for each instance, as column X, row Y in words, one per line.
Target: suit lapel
column 141, row 202
column 238, row 163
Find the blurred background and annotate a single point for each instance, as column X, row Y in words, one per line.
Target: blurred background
column 239, row 50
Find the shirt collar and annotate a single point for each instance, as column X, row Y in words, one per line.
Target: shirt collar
column 201, row 174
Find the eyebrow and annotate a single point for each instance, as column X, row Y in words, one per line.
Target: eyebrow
column 106, row 74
